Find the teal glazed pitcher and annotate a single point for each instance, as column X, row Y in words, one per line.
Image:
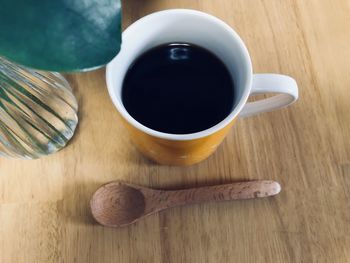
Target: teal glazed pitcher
column 38, row 111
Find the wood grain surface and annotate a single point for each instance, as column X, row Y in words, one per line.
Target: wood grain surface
column 44, row 204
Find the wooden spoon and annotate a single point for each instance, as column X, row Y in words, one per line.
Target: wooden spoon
column 119, row 204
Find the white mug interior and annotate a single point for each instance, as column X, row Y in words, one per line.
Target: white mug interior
column 182, row 26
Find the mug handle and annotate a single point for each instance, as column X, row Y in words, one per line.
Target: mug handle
column 271, row 83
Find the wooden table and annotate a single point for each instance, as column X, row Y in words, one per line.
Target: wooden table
column 44, row 212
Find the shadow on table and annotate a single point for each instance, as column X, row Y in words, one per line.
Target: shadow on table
column 76, row 202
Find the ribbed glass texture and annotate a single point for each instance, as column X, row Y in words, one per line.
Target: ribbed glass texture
column 38, row 111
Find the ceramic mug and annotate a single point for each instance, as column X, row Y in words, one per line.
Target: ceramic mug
column 190, row 26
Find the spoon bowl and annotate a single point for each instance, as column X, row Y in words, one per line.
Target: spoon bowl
column 117, row 204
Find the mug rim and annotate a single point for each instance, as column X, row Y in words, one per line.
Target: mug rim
column 190, row 136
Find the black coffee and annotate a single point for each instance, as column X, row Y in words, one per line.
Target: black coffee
column 178, row 88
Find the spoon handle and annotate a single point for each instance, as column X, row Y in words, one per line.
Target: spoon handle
column 226, row 192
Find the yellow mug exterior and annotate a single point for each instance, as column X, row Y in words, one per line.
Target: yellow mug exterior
column 176, row 152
